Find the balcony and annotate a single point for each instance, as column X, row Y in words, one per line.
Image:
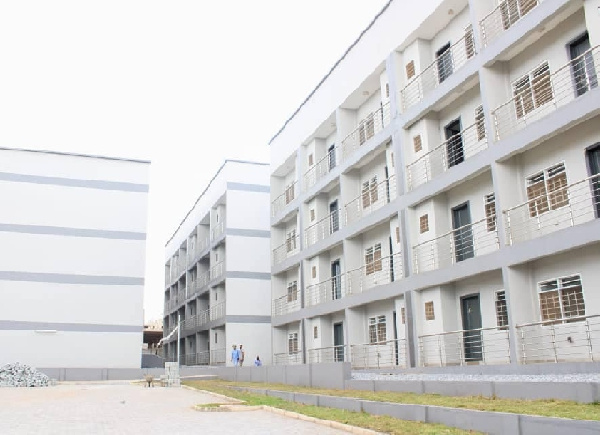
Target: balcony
column 320, row 169
column 447, row 62
column 381, row 271
column 373, row 197
column 368, row 127
column 284, row 199
column 217, row 231
column 195, row 287
column 287, row 358
column 286, row 250
column 457, row 348
column 193, row 254
column 197, row 359
column 572, row 339
column 552, row 211
column 328, row 354
column 384, row 354
column 217, row 271
column 196, row 321
column 217, row 311
column 468, row 241
column 286, row 304
column 545, row 92
column 218, row 357
column 452, row 152
column 506, row 14
column 322, row 229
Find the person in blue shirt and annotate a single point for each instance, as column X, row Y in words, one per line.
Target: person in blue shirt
column 235, row 355
column 257, row 361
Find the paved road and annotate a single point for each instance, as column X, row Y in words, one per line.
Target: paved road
column 122, row 409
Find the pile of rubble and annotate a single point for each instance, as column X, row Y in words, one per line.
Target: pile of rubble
column 21, row 375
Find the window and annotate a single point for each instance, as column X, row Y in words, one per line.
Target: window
column 312, row 214
column 293, row 343
column 501, row 310
column 289, row 193
column 216, row 257
column 480, row 121
column 561, row 298
column 490, row 211
column 215, row 338
column 417, row 143
column 314, row 271
column 469, row 42
column 291, row 241
column 547, row 190
column 316, row 332
column 392, row 159
column 403, row 315
column 217, row 216
column 370, row 193
column 292, row 291
column 533, row 90
column 366, row 129
column 424, row 223
column 377, row 329
column 373, row 259
column 410, row 69
column 429, row 314
column 387, row 90
column 311, row 160
column 397, row 234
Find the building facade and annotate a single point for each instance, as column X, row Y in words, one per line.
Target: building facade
column 435, row 200
column 217, row 271
column 72, row 266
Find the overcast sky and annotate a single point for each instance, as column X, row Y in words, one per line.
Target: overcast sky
column 185, row 84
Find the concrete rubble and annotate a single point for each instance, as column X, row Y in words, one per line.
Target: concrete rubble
column 21, row 375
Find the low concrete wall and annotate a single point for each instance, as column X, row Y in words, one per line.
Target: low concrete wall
column 81, row 375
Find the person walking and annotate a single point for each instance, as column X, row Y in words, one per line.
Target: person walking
column 241, row 355
column 235, row 355
column 257, row 361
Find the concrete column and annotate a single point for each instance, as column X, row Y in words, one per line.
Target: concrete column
column 518, row 304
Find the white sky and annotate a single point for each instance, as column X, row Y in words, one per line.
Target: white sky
column 185, row 84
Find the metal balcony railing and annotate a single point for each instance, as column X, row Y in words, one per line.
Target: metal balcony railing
column 197, row 359
column 546, row 92
column 475, row 346
column 287, row 358
column 371, row 199
column 468, row 241
column 320, row 168
column 195, row 321
column 322, row 229
column 368, row 127
column 286, row 304
column 571, row 205
column 217, row 311
column 391, row 353
column 217, row 271
column 328, row 354
column 290, row 192
column 218, row 357
column 507, row 13
column 449, row 153
column 446, row 63
column 568, row 339
column 217, row 231
column 289, row 248
column 195, row 251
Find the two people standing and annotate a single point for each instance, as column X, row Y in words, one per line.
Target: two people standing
column 237, row 355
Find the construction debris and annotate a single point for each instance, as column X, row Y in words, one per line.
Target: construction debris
column 21, row 375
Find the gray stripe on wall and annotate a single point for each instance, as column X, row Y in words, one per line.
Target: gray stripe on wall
column 72, row 232
column 73, row 182
column 248, row 187
column 248, row 233
column 248, row 275
column 64, row 278
column 17, row 325
column 248, row 319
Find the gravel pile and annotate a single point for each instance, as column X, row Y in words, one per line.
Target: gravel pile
column 21, row 375
column 453, row 377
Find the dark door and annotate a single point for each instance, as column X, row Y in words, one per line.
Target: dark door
column 336, row 284
column 391, row 260
column 395, row 339
column 444, row 62
column 593, row 156
column 331, row 157
column 334, row 217
column 471, row 319
column 454, row 146
column 338, row 342
column 387, row 183
column 582, row 65
column 463, row 234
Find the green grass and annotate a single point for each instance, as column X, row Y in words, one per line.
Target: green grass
column 545, row 408
column 361, row 419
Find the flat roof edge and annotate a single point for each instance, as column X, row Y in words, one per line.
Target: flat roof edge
column 66, row 153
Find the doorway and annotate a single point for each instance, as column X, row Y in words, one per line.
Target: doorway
column 395, row 338
column 338, row 342
column 336, row 280
column 454, row 145
column 444, row 62
column 593, row 158
column 471, row 320
column 582, row 65
column 334, row 217
column 463, row 234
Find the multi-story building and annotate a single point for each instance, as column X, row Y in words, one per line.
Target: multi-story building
column 217, row 279
column 435, row 200
column 72, row 263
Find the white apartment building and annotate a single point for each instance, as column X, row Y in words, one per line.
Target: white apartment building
column 435, row 200
column 72, row 263
column 217, row 271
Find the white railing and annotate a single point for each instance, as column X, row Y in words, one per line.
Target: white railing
column 217, row 231
column 287, row 358
column 571, row 205
column 475, row 346
column 196, row 321
column 320, row 168
column 195, row 287
column 217, row 311
column 289, row 194
column 217, row 270
column 539, row 99
column 368, row 127
column 355, row 281
column 391, row 353
column 328, row 354
column 286, row 304
column 570, row 339
column 197, row 359
column 507, row 13
column 322, row 229
column 468, row 241
column 371, row 200
column 289, row 248
column 217, row 357
column 451, row 152
column 439, row 70
column 194, row 253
